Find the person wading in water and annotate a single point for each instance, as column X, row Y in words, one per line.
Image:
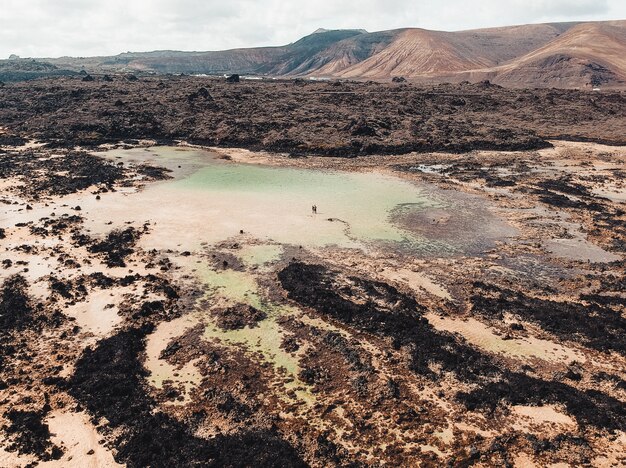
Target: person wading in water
column 314, row 209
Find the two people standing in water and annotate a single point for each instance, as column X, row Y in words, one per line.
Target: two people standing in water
column 314, row 209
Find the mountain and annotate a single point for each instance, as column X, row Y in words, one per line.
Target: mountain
column 275, row 61
column 589, row 53
column 421, row 53
column 564, row 55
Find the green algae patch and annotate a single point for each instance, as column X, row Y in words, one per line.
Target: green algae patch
column 260, row 255
column 234, row 286
column 264, row 339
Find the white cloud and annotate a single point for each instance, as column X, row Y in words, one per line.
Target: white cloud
column 86, row 27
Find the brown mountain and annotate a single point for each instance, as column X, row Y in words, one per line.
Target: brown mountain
column 586, row 54
column 564, row 55
column 418, row 52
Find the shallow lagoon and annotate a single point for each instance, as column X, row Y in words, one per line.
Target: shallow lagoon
column 351, row 207
column 215, row 199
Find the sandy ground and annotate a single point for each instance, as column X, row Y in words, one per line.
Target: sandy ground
column 193, row 241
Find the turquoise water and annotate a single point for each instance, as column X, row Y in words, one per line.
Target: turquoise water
column 210, row 200
column 351, row 207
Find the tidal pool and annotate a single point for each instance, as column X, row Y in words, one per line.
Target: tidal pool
column 275, row 203
column 263, row 209
column 211, row 200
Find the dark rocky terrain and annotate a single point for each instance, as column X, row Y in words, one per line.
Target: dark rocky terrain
column 116, row 349
column 303, row 118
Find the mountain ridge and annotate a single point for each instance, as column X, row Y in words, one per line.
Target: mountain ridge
column 564, row 55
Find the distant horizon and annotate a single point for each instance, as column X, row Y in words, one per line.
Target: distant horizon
column 261, row 46
column 84, row 28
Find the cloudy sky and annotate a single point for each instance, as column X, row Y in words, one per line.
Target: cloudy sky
column 50, row 28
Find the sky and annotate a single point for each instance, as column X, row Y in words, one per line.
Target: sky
column 53, row 28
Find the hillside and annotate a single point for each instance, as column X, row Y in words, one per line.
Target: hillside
column 274, row 61
column 587, row 54
column 16, row 69
column 563, row 55
column 419, row 52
